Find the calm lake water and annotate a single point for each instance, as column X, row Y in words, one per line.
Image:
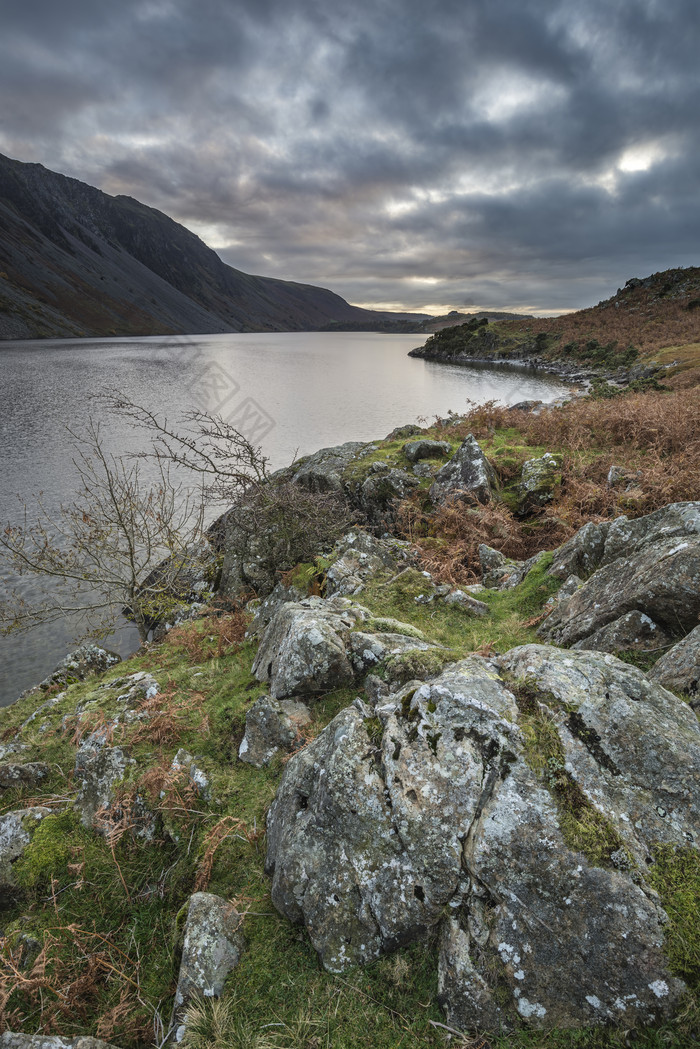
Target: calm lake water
column 291, row 393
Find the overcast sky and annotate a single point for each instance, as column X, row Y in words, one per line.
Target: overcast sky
column 419, row 154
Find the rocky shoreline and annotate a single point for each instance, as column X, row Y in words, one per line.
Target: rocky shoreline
column 512, row 813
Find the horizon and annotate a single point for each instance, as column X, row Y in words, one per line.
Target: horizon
column 517, row 157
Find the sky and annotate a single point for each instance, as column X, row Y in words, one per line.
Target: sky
column 429, row 155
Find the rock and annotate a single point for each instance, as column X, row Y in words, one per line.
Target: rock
column 368, row 650
column 679, row 669
column 581, row 554
column 538, row 480
column 99, row 767
column 499, row 572
column 381, row 493
column 465, row 601
column 438, row 820
column 660, row 579
column 16, row 775
column 525, row 406
column 271, row 726
column 634, row 631
column 213, row 944
column 323, row 471
column 303, row 648
column 85, row 660
column 271, row 604
column 184, row 762
column 403, row 431
column 597, row 545
column 16, row 831
column 415, row 450
column 468, row 475
column 618, row 475
column 359, row 556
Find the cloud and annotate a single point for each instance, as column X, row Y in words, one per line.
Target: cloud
column 516, row 153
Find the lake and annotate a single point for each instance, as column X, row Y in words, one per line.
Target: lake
column 289, row 392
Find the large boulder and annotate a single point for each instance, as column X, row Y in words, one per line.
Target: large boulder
column 679, row 669
column 213, row 943
column 531, row 862
column 303, row 647
column 426, row 449
column 468, row 475
column 359, row 556
column 381, row 494
column 632, row 632
column 599, row 544
column 323, row 471
column 77, row 665
column 649, row 566
column 316, row 645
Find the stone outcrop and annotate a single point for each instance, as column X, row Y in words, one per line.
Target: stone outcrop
column 538, row 480
column 649, row 566
column 271, row 726
column 212, row 947
column 468, row 475
column 679, row 669
column 359, row 556
column 433, row 813
column 323, row 471
column 381, row 492
column 16, row 831
column 316, row 645
column 14, row 774
column 425, row 449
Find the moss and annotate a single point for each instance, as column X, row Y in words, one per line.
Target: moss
column 675, row 874
column 583, row 827
column 418, row 663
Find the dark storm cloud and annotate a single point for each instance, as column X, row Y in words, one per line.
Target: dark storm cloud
column 515, row 153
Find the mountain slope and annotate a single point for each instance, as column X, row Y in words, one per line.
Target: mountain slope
column 76, row 261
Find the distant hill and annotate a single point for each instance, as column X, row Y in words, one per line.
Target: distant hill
column 454, row 317
column 76, row 261
column 648, row 315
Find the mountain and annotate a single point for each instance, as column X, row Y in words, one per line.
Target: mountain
column 76, row 261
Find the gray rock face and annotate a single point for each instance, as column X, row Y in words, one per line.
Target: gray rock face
column 381, row 493
column 13, row 774
column 323, row 471
column 499, row 572
column 271, row 726
column 212, row 948
column 359, row 557
column 303, row 648
column 270, row 605
column 85, row 660
column 634, row 631
column 660, row 578
column 538, row 480
column 98, row 769
column 597, row 545
column 16, row 831
column 467, row 475
column 679, row 669
column 372, row 840
column 415, row 450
